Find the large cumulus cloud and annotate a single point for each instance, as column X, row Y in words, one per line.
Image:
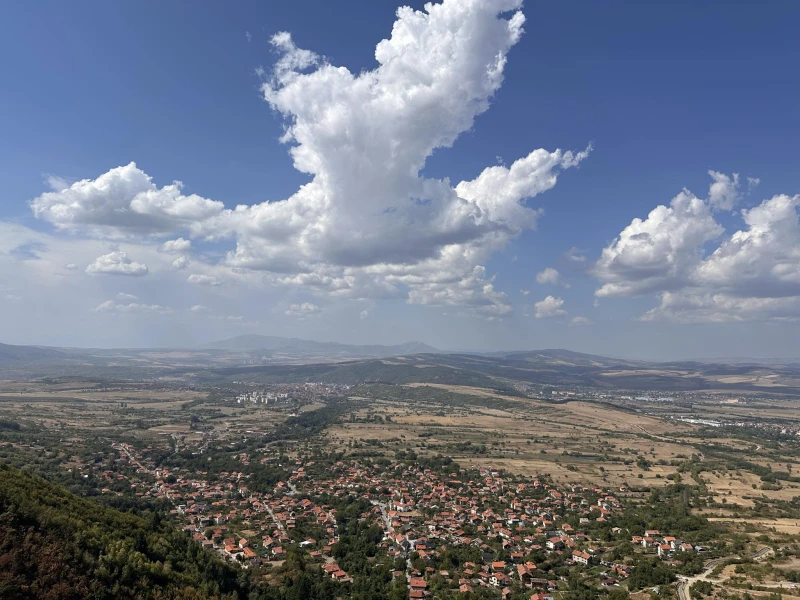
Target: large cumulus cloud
column 752, row 274
column 367, row 224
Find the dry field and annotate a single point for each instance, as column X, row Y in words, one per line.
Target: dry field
column 788, row 526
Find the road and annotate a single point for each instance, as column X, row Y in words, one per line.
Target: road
column 275, row 519
column 685, row 582
column 388, row 531
column 387, row 524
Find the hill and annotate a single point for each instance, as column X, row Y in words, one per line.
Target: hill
column 54, row 546
column 11, row 355
column 281, row 345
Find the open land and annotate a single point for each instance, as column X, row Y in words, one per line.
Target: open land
column 475, row 483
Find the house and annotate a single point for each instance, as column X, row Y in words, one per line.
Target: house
column 498, row 579
column 555, row 543
column 583, row 558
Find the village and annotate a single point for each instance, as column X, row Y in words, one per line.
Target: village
column 506, row 532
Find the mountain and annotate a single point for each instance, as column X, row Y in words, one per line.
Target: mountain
column 294, row 346
column 10, row 355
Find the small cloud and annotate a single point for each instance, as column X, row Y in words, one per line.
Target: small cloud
column 71, row 267
column 248, row 36
column 116, row 263
column 575, row 254
column 199, row 308
column 364, row 314
column 596, row 302
column 176, row 246
column 752, row 183
column 723, row 194
column 180, row 263
column 549, row 308
column 124, row 296
column 234, row 318
column 56, row 183
column 109, row 306
column 548, row 276
column 207, row 280
column 525, row 292
column 301, row 311
column 580, row 321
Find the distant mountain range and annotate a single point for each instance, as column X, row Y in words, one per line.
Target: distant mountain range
column 295, row 346
column 269, row 359
column 243, row 349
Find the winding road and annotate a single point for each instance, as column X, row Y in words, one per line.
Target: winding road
column 685, row 582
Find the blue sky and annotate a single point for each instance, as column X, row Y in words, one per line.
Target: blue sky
column 664, row 93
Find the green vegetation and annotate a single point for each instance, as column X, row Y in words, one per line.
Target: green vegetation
column 55, row 545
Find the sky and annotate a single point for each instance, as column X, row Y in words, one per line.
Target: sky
column 619, row 178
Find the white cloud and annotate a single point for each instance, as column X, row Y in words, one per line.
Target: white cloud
column 71, row 266
column 752, row 183
column 199, row 308
column 763, row 259
column 123, row 202
column 201, row 279
column 112, row 307
column 363, row 314
column 525, row 292
column 176, row 246
column 56, row 183
column 580, row 321
column 575, row 255
column 753, row 274
column 658, row 252
column 180, row 263
column 549, row 308
column 116, row 263
column 724, row 191
column 692, row 306
column 548, row 276
column 302, row 311
column 124, row 296
column 367, row 224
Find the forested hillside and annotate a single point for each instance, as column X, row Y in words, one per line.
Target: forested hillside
column 54, row 545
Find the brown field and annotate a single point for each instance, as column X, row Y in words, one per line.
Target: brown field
column 575, row 441
column 788, row 526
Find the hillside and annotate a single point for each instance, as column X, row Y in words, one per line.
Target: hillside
column 12, row 355
column 54, row 546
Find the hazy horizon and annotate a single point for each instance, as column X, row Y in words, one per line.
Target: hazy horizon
column 653, row 358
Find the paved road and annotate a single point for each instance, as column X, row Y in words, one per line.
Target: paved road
column 685, row 582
